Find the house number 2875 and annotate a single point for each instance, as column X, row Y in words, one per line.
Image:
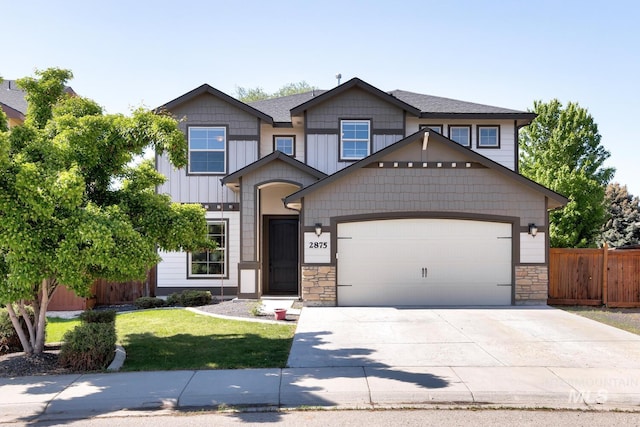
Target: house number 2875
column 318, row 245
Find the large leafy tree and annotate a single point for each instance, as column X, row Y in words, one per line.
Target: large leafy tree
column 258, row 94
column 623, row 222
column 72, row 206
column 561, row 149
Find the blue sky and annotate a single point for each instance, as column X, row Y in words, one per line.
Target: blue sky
column 507, row 53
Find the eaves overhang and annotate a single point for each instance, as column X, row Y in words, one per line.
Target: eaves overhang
column 205, row 88
column 353, row 83
column 556, row 200
column 232, row 180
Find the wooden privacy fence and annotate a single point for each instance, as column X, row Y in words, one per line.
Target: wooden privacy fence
column 105, row 293
column 594, row 277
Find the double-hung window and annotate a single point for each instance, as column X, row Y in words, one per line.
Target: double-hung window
column 488, row 136
column 286, row 144
column 211, row 263
column 355, row 139
column 207, row 149
column 461, row 135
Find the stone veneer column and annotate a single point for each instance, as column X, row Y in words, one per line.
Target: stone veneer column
column 319, row 286
column 532, row 284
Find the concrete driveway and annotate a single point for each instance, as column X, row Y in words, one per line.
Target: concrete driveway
column 476, row 337
column 534, row 356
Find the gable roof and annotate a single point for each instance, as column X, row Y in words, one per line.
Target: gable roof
column 13, row 101
column 559, row 199
column 276, row 155
column 355, row 82
column 11, row 113
column 12, row 96
column 205, row 88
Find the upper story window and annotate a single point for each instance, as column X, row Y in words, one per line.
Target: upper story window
column 488, row 136
column 461, row 135
column 207, row 149
column 286, row 144
column 355, row 139
column 435, row 128
column 211, row 263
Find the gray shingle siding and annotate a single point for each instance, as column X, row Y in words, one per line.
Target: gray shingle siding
column 209, row 110
column 355, row 104
column 274, row 171
column 473, row 191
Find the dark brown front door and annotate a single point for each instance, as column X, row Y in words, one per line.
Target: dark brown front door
column 282, row 255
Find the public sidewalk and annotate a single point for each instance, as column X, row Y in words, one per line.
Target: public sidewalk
column 79, row 396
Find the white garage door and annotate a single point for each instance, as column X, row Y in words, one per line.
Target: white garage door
column 433, row 262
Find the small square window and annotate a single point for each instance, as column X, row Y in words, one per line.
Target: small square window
column 435, row 128
column 488, row 136
column 355, row 137
column 285, row 144
column 461, row 135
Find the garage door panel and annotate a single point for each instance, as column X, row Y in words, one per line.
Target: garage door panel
column 424, row 262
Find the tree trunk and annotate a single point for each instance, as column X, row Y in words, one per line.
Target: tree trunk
column 41, row 316
column 15, row 321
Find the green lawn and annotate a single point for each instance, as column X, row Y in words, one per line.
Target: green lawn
column 180, row 339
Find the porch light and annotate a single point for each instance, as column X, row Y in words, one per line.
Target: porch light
column 533, row 229
column 318, row 229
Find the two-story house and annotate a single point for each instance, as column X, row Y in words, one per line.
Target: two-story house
column 356, row 196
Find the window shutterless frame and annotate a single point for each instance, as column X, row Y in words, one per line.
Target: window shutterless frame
column 355, row 139
column 460, row 134
column 435, row 128
column 285, row 144
column 211, row 264
column 488, row 136
column 207, row 150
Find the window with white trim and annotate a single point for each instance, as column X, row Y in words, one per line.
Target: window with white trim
column 355, row 137
column 286, row 144
column 488, row 136
column 461, row 135
column 207, row 149
column 211, row 263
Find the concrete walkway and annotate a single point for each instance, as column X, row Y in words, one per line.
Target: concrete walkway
column 357, row 375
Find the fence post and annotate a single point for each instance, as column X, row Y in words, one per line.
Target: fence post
column 605, row 273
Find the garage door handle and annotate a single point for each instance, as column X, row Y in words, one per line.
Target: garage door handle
column 425, row 272
column 504, row 284
column 342, row 286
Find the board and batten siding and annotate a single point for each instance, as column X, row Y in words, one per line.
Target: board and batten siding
column 505, row 155
column 172, row 270
column 323, row 151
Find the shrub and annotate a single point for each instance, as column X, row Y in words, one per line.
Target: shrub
column 173, row 299
column 190, row 298
column 193, row 298
column 149, row 302
column 88, row 347
column 98, row 316
column 9, row 341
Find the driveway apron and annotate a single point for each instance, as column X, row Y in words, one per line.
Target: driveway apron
column 458, row 337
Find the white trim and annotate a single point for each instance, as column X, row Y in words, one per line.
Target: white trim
column 343, row 139
column 207, row 150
